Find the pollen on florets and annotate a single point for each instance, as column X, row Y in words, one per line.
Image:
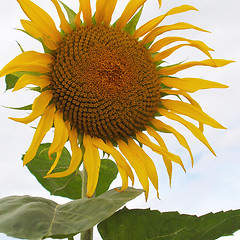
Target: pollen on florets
column 104, row 82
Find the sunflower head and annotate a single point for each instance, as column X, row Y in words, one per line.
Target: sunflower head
column 104, row 87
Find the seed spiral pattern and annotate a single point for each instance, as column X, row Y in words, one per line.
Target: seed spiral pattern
column 104, row 82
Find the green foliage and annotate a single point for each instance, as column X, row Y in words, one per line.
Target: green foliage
column 27, row 107
column 71, row 185
column 36, row 218
column 132, row 24
column 71, row 14
column 143, row 224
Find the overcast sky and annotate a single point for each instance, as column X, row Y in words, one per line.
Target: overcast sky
column 214, row 183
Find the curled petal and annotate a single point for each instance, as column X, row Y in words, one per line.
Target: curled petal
column 41, row 19
column 38, row 107
column 180, row 67
column 138, row 166
column 130, row 9
column 195, row 131
column 191, row 84
column 43, row 127
column 41, row 81
column 28, row 61
column 147, row 27
column 190, row 111
column 64, row 24
column 160, row 30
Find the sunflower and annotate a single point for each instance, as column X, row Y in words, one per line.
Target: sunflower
column 103, row 87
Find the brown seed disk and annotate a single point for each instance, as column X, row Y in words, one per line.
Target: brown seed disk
column 104, row 82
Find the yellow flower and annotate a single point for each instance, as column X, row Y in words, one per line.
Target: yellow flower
column 103, row 88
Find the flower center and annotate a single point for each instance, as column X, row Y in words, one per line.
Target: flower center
column 104, row 82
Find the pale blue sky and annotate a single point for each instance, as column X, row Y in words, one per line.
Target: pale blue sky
column 214, row 183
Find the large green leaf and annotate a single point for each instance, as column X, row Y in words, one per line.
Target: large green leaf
column 36, row 218
column 69, row 186
column 143, row 224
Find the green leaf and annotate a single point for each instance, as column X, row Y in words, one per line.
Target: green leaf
column 70, row 186
column 145, row 224
column 71, row 14
column 27, row 107
column 10, row 80
column 36, row 218
column 20, row 46
column 108, row 172
column 132, row 24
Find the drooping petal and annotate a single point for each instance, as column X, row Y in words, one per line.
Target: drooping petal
column 136, row 164
column 43, row 21
column 43, row 127
column 190, row 111
column 55, row 162
column 41, row 81
column 160, row 125
column 130, row 9
column 60, row 134
column 92, row 163
column 194, row 43
column 28, row 61
column 38, row 107
column 147, row 27
column 31, row 28
column 76, row 156
column 87, row 11
column 120, row 160
column 160, row 30
column 64, row 24
column 191, row 84
column 109, row 11
column 100, row 10
column 142, row 138
column 195, row 131
column 146, row 161
column 166, row 160
column 180, row 67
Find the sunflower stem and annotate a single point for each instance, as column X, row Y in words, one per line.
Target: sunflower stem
column 86, row 235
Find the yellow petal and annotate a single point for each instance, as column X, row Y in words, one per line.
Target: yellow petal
column 168, row 40
column 130, row 9
column 38, row 107
column 188, row 97
column 64, row 24
column 109, row 11
column 180, row 67
column 49, row 42
column 195, row 131
column 147, row 27
column 136, row 164
column 43, row 21
column 166, row 160
column 160, row 125
column 92, row 163
column 31, row 28
column 41, row 81
column 191, row 84
column 76, row 156
column 146, row 161
column 43, row 127
column 142, row 138
column 77, row 19
column 60, row 134
column 190, row 111
column 160, row 30
column 120, row 160
column 55, row 162
column 160, row 3
column 100, row 10
column 87, row 11
column 28, row 61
